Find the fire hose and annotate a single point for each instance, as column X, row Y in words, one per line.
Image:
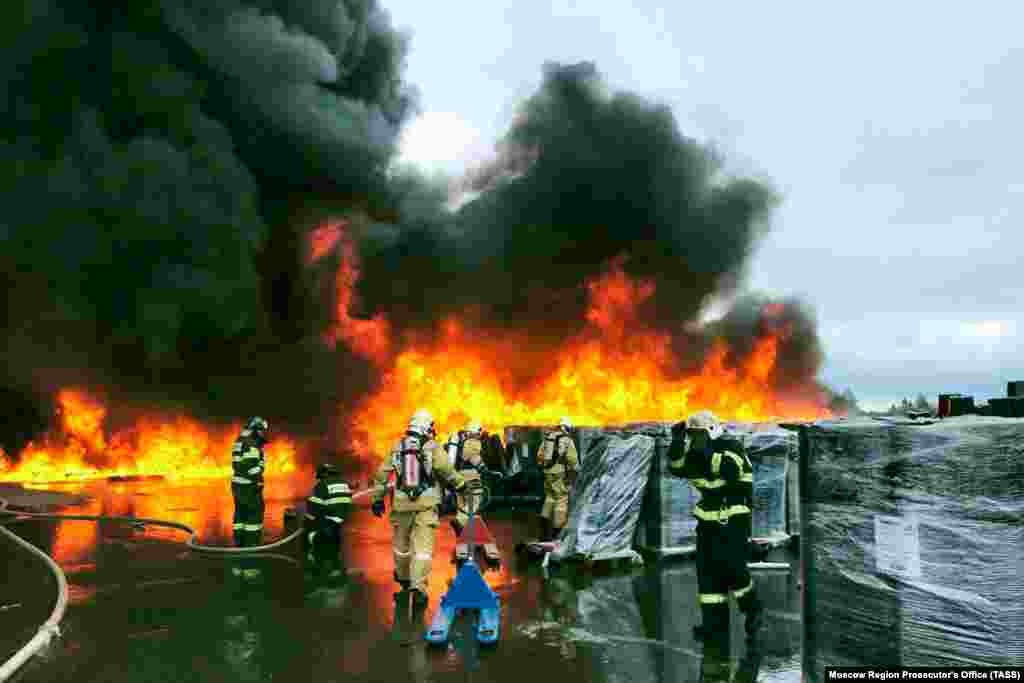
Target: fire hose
column 51, row 627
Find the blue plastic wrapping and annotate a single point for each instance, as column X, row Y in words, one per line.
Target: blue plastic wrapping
column 606, row 499
column 772, row 452
column 913, row 544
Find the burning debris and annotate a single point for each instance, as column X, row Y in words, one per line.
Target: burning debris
column 171, row 447
column 242, row 246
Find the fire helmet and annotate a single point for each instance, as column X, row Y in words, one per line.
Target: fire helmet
column 422, row 423
column 565, row 423
column 474, row 427
column 706, row 421
column 325, row 470
column 258, row 425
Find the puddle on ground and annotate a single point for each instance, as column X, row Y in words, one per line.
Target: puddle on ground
column 142, row 610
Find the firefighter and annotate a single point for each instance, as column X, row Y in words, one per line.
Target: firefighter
column 718, row 467
column 557, row 456
column 326, row 510
column 717, row 662
column 248, row 463
column 465, row 454
column 419, row 464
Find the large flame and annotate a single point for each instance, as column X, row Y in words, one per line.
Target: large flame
column 175, row 447
column 617, row 370
column 369, row 338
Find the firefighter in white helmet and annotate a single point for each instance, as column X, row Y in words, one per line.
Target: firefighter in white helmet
column 717, row 466
column 419, row 464
column 465, row 454
column 558, row 457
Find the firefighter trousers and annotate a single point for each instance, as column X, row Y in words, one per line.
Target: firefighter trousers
column 412, row 542
column 249, row 508
column 323, row 546
column 556, row 510
column 722, row 553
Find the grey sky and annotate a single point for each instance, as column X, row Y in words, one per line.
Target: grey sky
column 890, row 128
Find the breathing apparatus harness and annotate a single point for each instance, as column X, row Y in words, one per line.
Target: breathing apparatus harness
column 556, row 457
column 463, row 464
column 415, row 472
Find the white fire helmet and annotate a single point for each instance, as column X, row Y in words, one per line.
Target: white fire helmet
column 474, row 427
column 565, row 423
column 706, row 421
column 422, row 423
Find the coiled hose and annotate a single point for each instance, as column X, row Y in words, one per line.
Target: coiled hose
column 51, row 627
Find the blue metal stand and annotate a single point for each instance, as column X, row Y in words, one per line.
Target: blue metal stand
column 469, row 591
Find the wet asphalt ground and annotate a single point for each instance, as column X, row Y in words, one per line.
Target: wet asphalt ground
column 145, row 609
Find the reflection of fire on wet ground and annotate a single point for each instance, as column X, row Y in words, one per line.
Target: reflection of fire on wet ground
column 145, row 609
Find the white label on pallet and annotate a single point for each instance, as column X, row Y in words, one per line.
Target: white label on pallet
column 897, row 546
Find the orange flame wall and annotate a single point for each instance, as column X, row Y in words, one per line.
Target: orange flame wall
column 172, row 447
column 616, row 370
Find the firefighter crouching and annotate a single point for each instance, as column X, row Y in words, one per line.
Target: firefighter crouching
column 465, row 453
column 326, row 511
column 557, row 456
column 718, row 467
column 420, row 464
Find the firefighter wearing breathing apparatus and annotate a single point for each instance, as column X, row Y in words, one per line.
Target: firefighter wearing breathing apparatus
column 465, row 454
column 718, row 467
column 557, row 456
column 419, row 464
column 326, row 510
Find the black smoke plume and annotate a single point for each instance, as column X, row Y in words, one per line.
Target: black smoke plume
column 165, row 159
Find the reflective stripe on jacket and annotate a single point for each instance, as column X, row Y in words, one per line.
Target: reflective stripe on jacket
column 724, row 476
column 248, row 461
column 331, row 500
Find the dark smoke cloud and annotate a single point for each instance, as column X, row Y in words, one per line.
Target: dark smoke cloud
column 152, row 151
column 754, row 316
column 165, row 159
column 584, row 176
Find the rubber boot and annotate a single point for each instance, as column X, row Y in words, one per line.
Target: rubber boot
column 753, row 610
column 716, row 622
column 402, row 596
column 420, row 600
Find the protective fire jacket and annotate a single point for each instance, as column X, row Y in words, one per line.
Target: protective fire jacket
column 722, row 474
column 248, row 461
column 331, row 501
column 557, row 456
column 468, row 454
column 440, row 470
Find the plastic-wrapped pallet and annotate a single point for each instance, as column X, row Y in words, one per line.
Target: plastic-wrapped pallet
column 770, row 453
column 912, row 546
column 606, row 499
column 668, row 523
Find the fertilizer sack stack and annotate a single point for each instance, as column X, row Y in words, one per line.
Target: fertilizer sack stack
column 668, row 524
column 912, row 545
column 606, row 499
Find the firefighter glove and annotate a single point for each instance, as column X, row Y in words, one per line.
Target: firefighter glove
column 378, row 508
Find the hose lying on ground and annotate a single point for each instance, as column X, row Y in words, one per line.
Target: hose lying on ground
column 51, row 627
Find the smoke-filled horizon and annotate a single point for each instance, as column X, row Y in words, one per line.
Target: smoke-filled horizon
column 167, row 160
